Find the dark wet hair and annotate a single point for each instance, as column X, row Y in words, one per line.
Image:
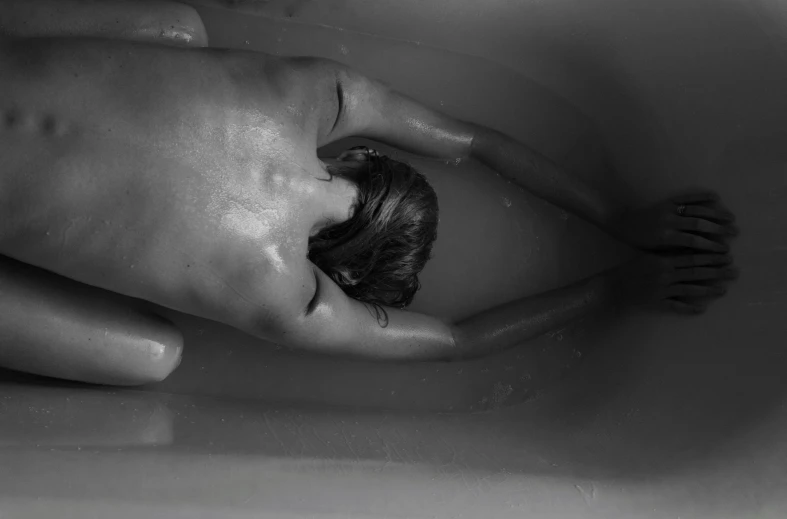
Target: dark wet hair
column 376, row 255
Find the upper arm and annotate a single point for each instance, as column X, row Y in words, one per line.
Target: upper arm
column 143, row 20
column 327, row 321
column 356, row 105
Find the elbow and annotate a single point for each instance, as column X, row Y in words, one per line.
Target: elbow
column 460, row 346
column 190, row 30
column 166, row 361
column 483, row 139
column 475, row 139
column 179, row 25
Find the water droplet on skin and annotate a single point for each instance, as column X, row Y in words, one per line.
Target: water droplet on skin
column 247, row 42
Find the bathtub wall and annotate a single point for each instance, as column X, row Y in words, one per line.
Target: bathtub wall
column 657, row 417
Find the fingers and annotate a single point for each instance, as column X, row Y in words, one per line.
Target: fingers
column 682, row 307
column 695, row 279
column 699, row 222
column 693, row 241
column 686, row 290
column 708, row 213
column 704, row 274
column 704, row 226
column 699, row 260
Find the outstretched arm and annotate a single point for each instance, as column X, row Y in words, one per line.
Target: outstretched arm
column 372, row 109
column 328, row 321
column 544, row 178
column 694, row 221
column 369, row 108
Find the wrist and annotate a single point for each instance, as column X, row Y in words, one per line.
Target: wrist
column 616, row 223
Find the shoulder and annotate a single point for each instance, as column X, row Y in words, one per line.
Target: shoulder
column 263, row 295
column 315, row 86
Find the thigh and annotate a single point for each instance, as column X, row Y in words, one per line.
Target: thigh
column 56, row 327
column 141, row 20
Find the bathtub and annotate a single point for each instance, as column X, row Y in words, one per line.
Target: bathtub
column 626, row 415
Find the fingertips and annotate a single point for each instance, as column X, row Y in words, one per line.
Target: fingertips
column 722, row 214
column 686, row 258
column 686, row 308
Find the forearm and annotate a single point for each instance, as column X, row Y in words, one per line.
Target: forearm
column 513, row 323
column 157, row 21
column 542, row 177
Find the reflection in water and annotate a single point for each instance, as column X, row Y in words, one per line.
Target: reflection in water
column 33, row 416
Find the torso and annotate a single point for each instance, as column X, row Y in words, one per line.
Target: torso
column 180, row 177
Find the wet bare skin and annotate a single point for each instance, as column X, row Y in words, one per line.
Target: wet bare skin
column 187, row 178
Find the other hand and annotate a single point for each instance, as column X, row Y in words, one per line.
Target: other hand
column 684, row 283
column 695, row 221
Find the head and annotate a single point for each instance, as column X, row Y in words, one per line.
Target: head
column 376, row 255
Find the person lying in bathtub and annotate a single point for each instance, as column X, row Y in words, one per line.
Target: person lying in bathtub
column 139, row 166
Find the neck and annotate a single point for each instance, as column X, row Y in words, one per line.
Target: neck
column 334, row 202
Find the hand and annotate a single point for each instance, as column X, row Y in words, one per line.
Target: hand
column 696, row 221
column 680, row 283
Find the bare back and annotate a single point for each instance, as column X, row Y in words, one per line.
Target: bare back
column 178, row 176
